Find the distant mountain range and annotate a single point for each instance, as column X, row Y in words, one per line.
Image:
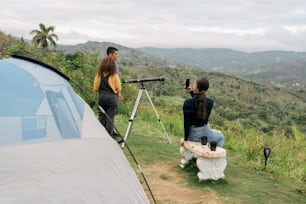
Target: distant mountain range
column 127, row 55
column 282, row 68
column 277, row 67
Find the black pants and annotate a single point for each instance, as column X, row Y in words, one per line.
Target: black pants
column 109, row 102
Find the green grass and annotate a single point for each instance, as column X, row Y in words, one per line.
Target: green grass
column 246, row 180
column 245, row 184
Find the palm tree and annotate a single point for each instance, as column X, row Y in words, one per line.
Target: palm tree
column 43, row 37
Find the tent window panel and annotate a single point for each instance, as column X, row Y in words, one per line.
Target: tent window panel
column 34, row 127
column 62, row 115
column 77, row 102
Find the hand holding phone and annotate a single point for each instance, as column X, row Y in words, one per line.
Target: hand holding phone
column 187, row 83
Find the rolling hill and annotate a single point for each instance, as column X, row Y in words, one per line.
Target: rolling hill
column 127, row 56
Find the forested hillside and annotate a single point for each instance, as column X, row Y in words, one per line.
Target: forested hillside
column 251, row 104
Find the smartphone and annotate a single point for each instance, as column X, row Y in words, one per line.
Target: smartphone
column 187, row 83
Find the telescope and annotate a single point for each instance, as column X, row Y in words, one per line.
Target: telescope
column 143, row 80
column 141, row 90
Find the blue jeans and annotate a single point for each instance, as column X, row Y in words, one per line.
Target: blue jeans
column 196, row 133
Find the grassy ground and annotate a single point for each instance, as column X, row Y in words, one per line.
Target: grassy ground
column 171, row 184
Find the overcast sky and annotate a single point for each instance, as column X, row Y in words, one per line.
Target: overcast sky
column 247, row 25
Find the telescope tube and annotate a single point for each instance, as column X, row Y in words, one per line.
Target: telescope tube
column 143, row 80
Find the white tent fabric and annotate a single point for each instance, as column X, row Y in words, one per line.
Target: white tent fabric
column 52, row 147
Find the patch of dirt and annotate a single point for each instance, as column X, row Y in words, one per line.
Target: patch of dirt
column 170, row 187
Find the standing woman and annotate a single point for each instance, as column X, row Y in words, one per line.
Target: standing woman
column 107, row 84
column 196, row 112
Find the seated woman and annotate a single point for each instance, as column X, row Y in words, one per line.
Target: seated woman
column 196, row 114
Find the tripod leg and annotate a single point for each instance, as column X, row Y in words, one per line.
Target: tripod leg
column 132, row 116
column 158, row 118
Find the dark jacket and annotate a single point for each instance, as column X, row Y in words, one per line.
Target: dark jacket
column 190, row 113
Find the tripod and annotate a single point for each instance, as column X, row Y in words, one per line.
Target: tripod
column 142, row 88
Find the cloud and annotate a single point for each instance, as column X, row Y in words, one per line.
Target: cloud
column 237, row 24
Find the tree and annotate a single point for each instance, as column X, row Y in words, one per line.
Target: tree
column 44, row 37
column 6, row 41
column 19, row 48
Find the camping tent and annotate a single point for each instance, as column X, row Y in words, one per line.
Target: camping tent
column 52, row 147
